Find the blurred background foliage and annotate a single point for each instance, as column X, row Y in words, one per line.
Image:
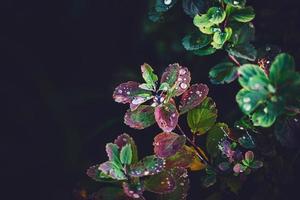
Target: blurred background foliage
column 61, row 60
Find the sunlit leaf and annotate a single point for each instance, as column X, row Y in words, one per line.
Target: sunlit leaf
column 167, row 144
column 149, row 165
column 214, row 136
column 193, row 97
column 160, row 183
column 140, row 118
column 203, row 117
column 124, row 139
column 166, row 116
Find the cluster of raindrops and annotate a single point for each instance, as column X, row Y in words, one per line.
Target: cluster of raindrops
column 144, row 169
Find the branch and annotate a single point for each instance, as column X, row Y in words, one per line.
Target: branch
column 233, row 59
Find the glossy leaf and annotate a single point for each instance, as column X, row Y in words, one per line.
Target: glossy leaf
column 124, row 139
column 149, row 165
column 167, row 144
column 202, row 21
column 224, row 166
column 126, row 155
column 216, row 15
column 243, row 15
column 223, row 73
column 203, row 117
column 160, row 183
column 236, row 3
column 249, row 100
column 245, row 51
column 214, row 136
column 193, row 97
column 266, row 116
column 149, row 76
column 166, row 116
column 195, row 41
column 247, row 72
column 140, row 118
column 205, row 51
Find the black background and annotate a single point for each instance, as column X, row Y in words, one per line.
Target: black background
column 60, row 61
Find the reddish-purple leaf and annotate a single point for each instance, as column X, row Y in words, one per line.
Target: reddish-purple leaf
column 124, row 139
column 167, row 144
column 193, row 97
column 160, row 183
column 177, row 75
column 130, row 92
column 140, row 118
column 133, row 190
column 237, row 168
column 149, row 165
column 249, row 156
column 166, row 116
column 183, row 158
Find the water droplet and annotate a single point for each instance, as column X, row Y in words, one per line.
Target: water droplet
column 120, row 91
column 247, row 107
column 128, row 93
column 268, row 48
column 136, row 196
column 182, row 71
column 146, row 173
column 236, row 2
column 183, row 85
column 246, row 100
column 167, row 2
column 182, row 184
column 266, row 110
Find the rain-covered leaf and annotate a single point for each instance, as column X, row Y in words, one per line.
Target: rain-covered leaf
column 183, row 158
column 166, row 116
column 140, row 118
column 205, row 51
column 177, row 77
column 126, row 155
column 203, row 117
column 113, row 170
column 160, row 183
column 94, row 173
column 164, row 5
column 247, row 72
column 216, row 15
column 195, row 41
column 182, row 185
column 193, row 7
column 149, row 76
column 249, row 100
column 247, row 141
column 131, row 93
column 167, row 144
column 245, row 51
column 245, row 123
column 266, row 116
column 193, row 97
column 124, row 139
column 223, row 73
column 243, row 14
column 214, row 136
column 133, row 189
column 150, row 165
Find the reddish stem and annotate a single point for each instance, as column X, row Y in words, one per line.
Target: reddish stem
column 233, row 59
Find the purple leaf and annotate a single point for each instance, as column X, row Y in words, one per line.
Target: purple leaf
column 167, row 144
column 149, row 165
column 124, row 139
column 133, row 190
column 166, row 116
column 237, row 168
column 178, row 76
column 193, row 97
column 130, row 92
column 249, row 156
column 140, row 118
column 160, row 183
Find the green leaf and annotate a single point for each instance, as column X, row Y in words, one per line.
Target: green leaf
column 203, row 117
column 266, row 116
column 223, row 73
column 97, row 175
column 245, row 51
column 243, row 15
column 280, row 69
column 124, row 139
column 216, row 134
column 242, row 33
column 247, row 72
column 164, row 87
column 220, row 38
column 149, row 76
column 202, row 21
column 160, row 183
column 249, row 100
column 216, row 15
column 195, row 41
column 126, row 155
column 112, row 151
column 205, row 51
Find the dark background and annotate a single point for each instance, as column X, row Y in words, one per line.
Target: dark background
column 60, row 61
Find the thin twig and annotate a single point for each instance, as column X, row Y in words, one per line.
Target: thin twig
column 232, row 58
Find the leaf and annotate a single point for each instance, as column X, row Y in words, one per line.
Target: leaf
column 220, row 37
column 243, row 15
column 280, row 68
column 130, row 92
column 164, row 5
column 245, row 51
column 126, row 155
column 249, row 156
column 140, row 118
column 164, row 87
column 195, row 41
column 214, row 136
column 166, row 116
column 224, row 166
column 167, row 144
column 160, row 183
column 133, row 189
column 94, row 173
column 203, row 117
column 193, row 7
column 256, row 164
column 247, row 72
column 196, row 164
column 182, row 185
column 178, row 77
column 112, row 151
column 113, row 170
column 193, row 97
column 209, row 180
column 183, row 158
column 216, row 15
column 124, row 139
column 249, row 100
column 242, row 34
column 202, row 21
column 247, row 141
column 223, row 73
column 266, row 116
column 205, row 51
column 149, row 76
column 149, row 165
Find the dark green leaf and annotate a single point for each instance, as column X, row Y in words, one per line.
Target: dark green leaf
column 249, row 100
column 193, row 7
column 214, row 136
column 205, row 51
column 195, row 41
column 223, row 73
column 243, row 14
column 245, row 51
column 247, row 72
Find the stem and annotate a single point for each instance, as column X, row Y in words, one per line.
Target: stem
column 233, row 59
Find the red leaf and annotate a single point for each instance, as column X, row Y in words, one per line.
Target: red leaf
column 193, row 97
column 176, row 74
column 166, row 116
column 167, row 144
